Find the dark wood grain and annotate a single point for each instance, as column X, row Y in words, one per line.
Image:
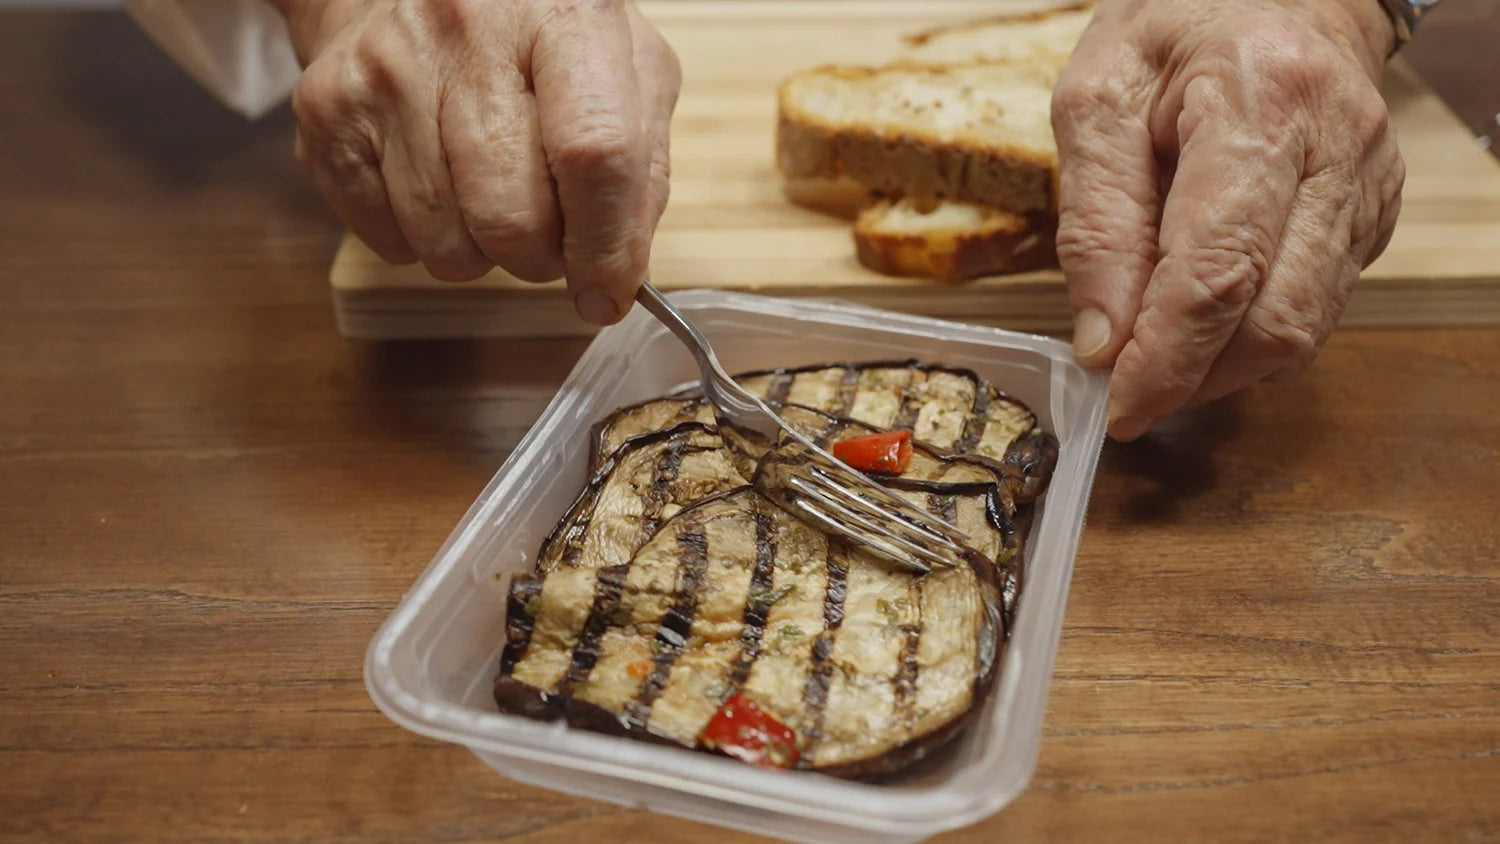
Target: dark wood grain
column 1284, row 623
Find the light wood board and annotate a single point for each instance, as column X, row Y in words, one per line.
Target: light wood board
column 729, row 226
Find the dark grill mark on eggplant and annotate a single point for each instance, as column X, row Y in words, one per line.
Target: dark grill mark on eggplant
column 838, row 583
column 607, row 589
column 905, row 681
column 520, row 618
column 979, row 417
column 661, row 487
column 672, row 634
column 911, row 405
column 945, row 507
column 780, row 387
column 757, row 601
column 572, row 529
column 820, row 673
column 848, row 388
column 906, row 670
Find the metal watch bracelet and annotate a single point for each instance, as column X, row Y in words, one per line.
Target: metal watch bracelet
column 1406, row 15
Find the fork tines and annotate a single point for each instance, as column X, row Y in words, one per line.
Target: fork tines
column 861, row 510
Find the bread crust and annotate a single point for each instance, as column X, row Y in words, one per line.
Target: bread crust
column 913, row 162
column 1001, row 244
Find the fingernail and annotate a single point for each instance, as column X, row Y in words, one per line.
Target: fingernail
column 1090, row 332
column 594, row 306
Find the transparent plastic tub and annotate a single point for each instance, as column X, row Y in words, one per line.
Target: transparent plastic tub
column 431, row 665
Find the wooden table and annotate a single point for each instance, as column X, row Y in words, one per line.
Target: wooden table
column 1285, row 619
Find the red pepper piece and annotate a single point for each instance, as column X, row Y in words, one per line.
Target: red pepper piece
column 886, row 452
column 743, row 730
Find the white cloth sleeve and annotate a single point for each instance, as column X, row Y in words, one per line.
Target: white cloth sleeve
column 237, row 49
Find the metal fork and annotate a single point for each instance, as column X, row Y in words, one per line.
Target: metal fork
column 808, row 481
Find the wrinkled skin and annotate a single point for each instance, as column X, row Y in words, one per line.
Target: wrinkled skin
column 528, row 134
column 1227, row 169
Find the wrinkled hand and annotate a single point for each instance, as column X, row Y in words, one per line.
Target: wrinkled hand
column 1227, row 169
column 529, row 135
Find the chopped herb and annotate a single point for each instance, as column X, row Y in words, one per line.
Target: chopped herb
column 770, row 597
column 790, row 631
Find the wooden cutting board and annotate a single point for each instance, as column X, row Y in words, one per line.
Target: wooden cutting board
column 730, row 227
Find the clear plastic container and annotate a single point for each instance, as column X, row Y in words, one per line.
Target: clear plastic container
column 431, row 665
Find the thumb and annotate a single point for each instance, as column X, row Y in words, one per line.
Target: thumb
column 1108, row 205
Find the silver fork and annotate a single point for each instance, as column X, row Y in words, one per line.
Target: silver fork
column 808, row 481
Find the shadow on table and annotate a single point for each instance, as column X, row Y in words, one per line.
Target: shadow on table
column 1265, row 430
column 476, row 396
column 113, row 76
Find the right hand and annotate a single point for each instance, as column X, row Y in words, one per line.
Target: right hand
column 468, row 134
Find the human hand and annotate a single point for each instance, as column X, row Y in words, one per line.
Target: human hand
column 529, row 135
column 1227, row 169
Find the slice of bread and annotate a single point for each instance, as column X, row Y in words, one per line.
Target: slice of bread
column 979, row 132
column 955, row 137
column 950, row 241
column 1047, row 37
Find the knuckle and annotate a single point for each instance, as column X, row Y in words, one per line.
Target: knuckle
column 1079, row 94
column 1372, row 118
column 508, row 230
column 602, row 150
column 317, row 99
column 424, row 197
column 671, row 65
column 1276, row 337
column 1086, row 234
column 377, row 59
column 454, row 18
column 1285, row 51
column 661, row 168
column 1363, row 119
column 1223, row 278
column 1392, row 186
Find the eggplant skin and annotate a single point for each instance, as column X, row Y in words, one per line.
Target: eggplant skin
column 672, row 581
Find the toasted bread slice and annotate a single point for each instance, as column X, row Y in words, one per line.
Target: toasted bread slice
column 951, row 241
column 1044, row 37
column 979, row 133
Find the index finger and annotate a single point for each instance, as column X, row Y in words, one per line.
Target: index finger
column 1221, row 223
column 593, row 131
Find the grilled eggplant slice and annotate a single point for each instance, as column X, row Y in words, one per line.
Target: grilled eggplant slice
column 872, row 666
column 672, row 585
column 947, row 408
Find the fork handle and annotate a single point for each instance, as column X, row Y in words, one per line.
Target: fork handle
column 657, row 304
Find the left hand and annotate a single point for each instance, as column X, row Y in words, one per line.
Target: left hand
column 1227, row 170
